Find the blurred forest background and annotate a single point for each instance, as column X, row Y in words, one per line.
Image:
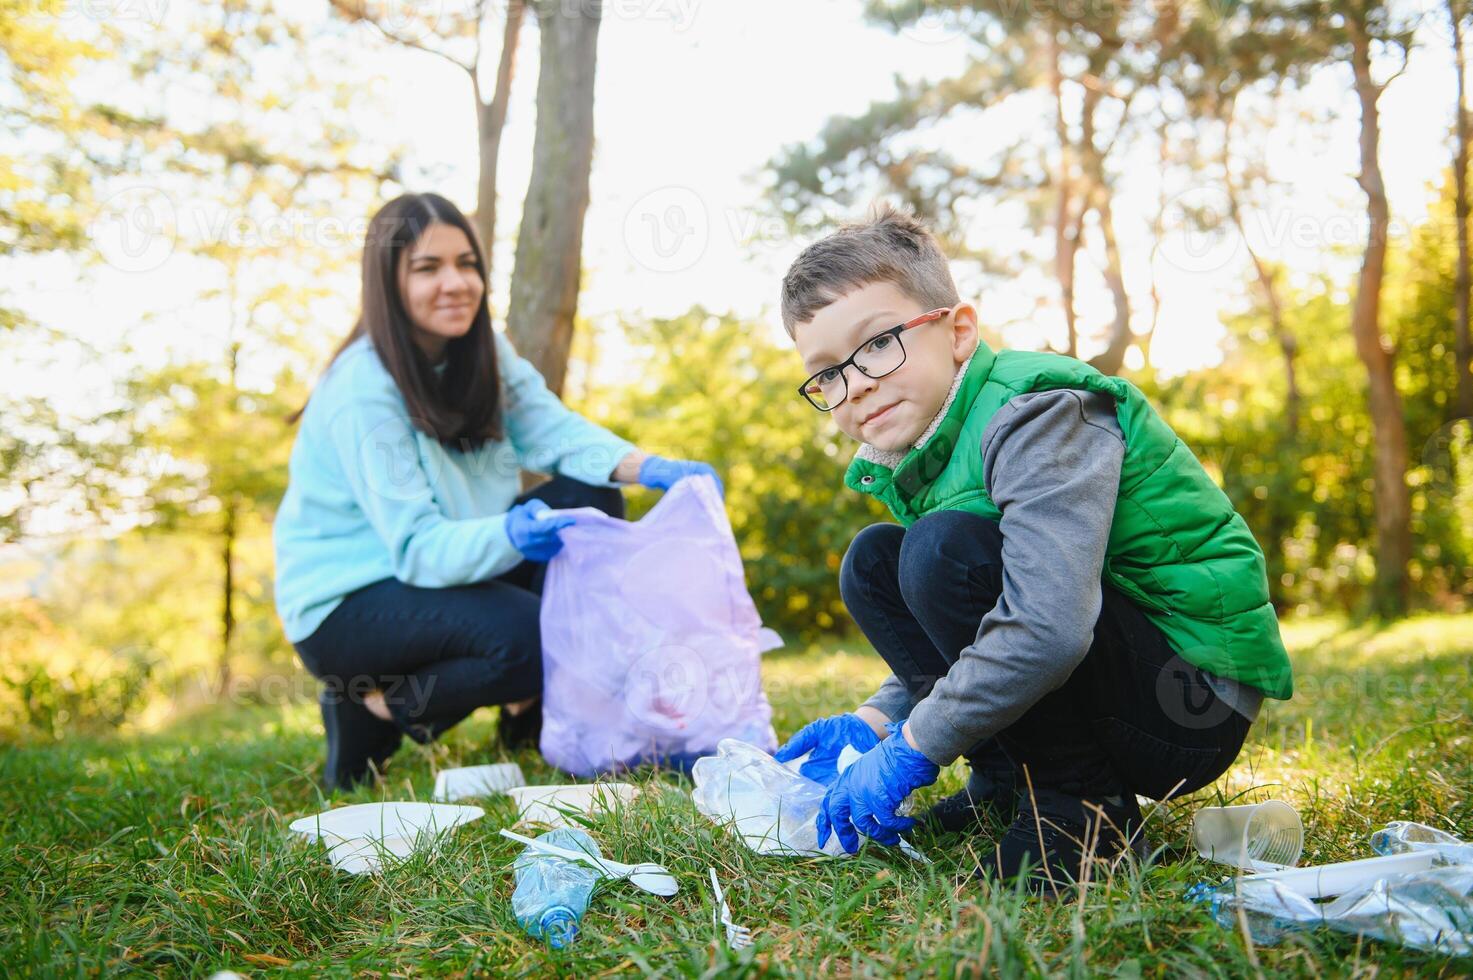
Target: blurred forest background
column 233, row 144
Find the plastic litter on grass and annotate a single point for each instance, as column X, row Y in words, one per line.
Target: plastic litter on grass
column 1418, row 892
column 364, row 838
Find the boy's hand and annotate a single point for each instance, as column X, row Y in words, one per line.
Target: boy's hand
column 826, row 738
column 659, row 473
column 867, row 794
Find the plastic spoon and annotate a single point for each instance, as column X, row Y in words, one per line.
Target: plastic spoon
column 647, row 877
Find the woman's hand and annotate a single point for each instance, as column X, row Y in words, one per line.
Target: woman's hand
column 660, row 473
column 535, row 536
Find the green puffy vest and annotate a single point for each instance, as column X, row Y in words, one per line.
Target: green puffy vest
column 1177, row 547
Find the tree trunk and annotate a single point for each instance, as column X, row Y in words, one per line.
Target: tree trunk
column 1066, row 229
column 1157, row 234
column 1281, row 515
column 490, row 121
column 544, row 289
column 227, row 609
column 1288, row 345
column 1463, row 392
column 228, row 500
column 1393, row 506
column 1112, row 357
column 1097, row 196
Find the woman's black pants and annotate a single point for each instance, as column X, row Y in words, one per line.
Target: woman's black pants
column 436, row 654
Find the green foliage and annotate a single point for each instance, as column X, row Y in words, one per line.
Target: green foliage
column 124, row 631
column 1422, row 303
column 54, row 685
column 719, row 389
column 226, row 445
column 261, row 205
column 43, row 204
column 66, row 463
column 1307, row 495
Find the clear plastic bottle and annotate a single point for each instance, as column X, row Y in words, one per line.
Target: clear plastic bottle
column 551, row 893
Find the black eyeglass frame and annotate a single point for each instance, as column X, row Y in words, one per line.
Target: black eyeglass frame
column 849, row 361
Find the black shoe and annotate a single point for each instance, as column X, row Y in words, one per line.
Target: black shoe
column 968, row 809
column 521, row 729
column 358, row 743
column 1054, row 834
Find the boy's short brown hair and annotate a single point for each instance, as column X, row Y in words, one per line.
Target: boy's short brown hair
column 892, row 246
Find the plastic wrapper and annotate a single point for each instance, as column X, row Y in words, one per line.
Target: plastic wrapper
column 651, row 645
column 770, row 806
column 1401, row 836
column 1429, row 909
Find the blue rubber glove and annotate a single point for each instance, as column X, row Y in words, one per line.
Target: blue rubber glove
column 825, row 738
column 659, row 473
column 867, row 794
column 536, row 537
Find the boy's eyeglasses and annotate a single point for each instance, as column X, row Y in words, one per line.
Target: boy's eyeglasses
column 875, row 358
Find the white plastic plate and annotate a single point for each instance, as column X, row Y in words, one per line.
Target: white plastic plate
column 360, row 837
column 546, row 804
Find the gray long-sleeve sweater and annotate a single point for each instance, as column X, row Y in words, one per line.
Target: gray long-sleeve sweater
column 1052, row 462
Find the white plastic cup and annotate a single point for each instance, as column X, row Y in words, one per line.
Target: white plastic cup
column 1266, row 836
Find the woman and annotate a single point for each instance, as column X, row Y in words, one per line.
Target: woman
column 408, row 569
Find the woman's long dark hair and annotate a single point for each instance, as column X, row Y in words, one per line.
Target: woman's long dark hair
column 462, row 408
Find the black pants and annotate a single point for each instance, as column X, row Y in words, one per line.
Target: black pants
column 1132, row 718
column 438, row 654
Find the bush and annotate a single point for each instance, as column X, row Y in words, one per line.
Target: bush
column 52, row 684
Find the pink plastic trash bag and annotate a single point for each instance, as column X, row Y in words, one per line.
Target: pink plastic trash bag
column 650, row 642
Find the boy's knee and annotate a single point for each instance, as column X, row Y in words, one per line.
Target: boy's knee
column 876, row 543
column 938, row 545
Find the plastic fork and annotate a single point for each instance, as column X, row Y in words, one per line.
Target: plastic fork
column 737, row 937
column 646, row 876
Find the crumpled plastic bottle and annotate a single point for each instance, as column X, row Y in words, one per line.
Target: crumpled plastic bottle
column 552, row 893
column 1430, row 909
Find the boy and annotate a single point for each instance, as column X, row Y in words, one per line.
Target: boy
column 1068, row 601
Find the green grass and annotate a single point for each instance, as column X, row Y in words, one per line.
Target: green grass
column 167, row 852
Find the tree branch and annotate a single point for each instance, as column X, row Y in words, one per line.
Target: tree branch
column 475, row 68
column 355, row 11
column 1406, row 57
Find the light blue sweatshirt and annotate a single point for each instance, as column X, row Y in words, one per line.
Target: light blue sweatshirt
column 371, row 497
